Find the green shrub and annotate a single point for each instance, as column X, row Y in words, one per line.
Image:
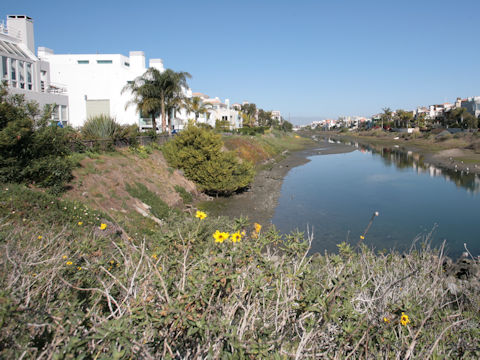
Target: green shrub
column 222, row 125
column 158, row 207
column 204, row 126
column 101, row 127
column 184, row 194
column 141, row 150
column 251, row 131
column 32, row 149
column 130, row 133
column 198, row 152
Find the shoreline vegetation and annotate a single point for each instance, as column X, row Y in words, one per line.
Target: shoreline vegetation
column 459, row 152
column 122, row 265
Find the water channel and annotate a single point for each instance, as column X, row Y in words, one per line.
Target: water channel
column 335, row 196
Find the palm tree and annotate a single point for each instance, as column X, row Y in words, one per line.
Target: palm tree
column 154, row 89
column 174, row 104
column 197, row 106
column 387, row 114
column 247, row 120
column 173, row 85
column 146, row 95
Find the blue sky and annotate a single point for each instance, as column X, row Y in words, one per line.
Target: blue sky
column 309, row 59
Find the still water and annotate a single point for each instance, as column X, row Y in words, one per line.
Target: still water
column 336, row 195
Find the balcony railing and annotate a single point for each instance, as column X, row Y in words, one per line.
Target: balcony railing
column 55, row 88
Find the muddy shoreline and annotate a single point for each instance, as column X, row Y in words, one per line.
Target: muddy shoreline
column 261, row 199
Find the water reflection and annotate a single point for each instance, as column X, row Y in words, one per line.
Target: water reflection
column 401, row 159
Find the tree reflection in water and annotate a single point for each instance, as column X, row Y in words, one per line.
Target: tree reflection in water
column 402, row 159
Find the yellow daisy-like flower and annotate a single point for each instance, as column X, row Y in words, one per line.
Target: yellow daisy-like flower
column 80, row 223
column 79, row 268
column 39, row 237
column 362, row 237
column 155, row 256
column 64, row 257
column 220, row 237
column 236, row 237
column 69, row 263
column 387, row 320
column 103, row 226
column 258, row 227
column 404, row 320
column 201, row 215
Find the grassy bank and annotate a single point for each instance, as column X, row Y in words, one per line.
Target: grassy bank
column 461, row 147
column 72, row 288
column 263, row 147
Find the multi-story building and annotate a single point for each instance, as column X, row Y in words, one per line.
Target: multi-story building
column 472, row 104
column 24, row 72
column 95, row 83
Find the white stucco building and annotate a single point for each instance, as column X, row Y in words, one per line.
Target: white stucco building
column 95, row 83
column 24, row 72
column 220, row 111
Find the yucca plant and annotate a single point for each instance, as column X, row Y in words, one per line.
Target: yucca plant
column 100, row 127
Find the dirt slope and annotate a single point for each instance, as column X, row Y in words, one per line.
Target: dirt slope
column 102, row 182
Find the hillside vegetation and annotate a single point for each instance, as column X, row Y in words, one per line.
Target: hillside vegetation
column 122, row 266
column 76, row 284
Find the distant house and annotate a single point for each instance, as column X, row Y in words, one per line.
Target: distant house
column 221, row 111
column 472, row 104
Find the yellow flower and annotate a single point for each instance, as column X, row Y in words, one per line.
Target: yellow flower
column 64, row 257
column 103, row 226
column 258, row 227
column 404, row 320
column 201, row 215
column 387, row 320
column 80, row 223
column 40, row 237
column 236, row 237
column 79, row 268
column 69, row 263
column 362, row 237
column 154, row 256
column 220, row 237
column 112, row 262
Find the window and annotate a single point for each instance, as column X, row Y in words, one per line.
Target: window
column 21, row 74
column 13, row 72
column 63, row 113
column 4, row 68
column 127, row 64
column 83, row 62
column 104, row 61
column 29, row 76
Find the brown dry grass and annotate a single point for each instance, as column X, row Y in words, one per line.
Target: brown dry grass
column 101, row 182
